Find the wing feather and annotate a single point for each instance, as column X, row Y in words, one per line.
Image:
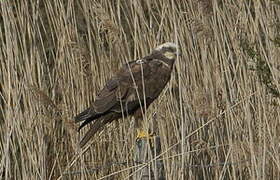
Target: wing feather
column 135, row 83
column 109, row 96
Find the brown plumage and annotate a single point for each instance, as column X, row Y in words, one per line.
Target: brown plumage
column 137, row 84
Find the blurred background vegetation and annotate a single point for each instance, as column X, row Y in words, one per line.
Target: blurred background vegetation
column 219, row 117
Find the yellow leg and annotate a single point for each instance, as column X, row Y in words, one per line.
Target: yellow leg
column 139, row 126
column 144, row 134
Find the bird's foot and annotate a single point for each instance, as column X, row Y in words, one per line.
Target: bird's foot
column 143, row 134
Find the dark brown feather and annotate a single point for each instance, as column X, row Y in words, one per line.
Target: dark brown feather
column 97, row 126
column 124, row 94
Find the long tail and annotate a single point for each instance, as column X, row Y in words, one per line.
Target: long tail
column 87, row 116
column 97, row 126
column 88, row 113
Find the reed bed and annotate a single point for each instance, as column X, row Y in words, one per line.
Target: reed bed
column 218, row 118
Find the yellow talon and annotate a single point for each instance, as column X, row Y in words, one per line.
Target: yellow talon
column 143, row 134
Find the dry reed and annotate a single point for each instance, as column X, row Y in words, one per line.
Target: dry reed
column 217, row 119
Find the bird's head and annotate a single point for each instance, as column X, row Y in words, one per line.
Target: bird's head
column 169, row 50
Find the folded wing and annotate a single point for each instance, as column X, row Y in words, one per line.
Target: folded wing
column 124, row 94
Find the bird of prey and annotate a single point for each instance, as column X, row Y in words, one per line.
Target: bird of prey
column 130, row 91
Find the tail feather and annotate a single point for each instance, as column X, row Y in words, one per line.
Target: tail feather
column 87, row 116
column 98, row 125
column 88, row 120
column 90, row 133
column 84, row 115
